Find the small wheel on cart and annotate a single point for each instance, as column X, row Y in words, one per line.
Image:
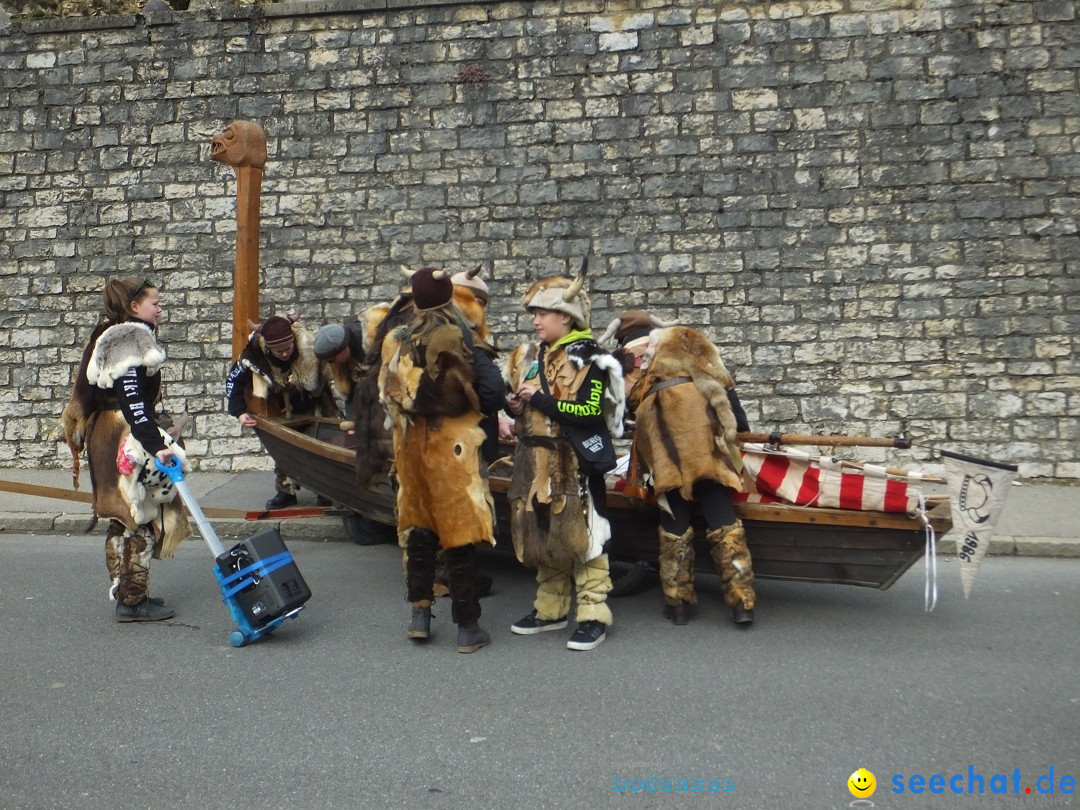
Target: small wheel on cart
column 364, row 531
column 630, row 578
column 237, row 639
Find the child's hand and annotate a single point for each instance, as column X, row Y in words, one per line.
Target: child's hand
column 514, row 405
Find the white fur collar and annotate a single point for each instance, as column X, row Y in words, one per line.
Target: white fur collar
column 119, row 348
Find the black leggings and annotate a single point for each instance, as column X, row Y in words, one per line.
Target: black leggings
column 716, row 504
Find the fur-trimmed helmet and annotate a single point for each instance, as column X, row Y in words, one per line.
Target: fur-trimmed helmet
column 471, row 280
column 562, row 294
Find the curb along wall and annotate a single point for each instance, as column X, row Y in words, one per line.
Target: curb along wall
column 870, row 205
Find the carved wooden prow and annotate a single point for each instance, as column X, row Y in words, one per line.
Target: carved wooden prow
column 243, row 146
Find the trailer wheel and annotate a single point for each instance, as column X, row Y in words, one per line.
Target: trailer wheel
column 630, row 578
column 364, row 531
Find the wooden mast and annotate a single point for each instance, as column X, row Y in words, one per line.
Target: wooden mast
column 243, row 146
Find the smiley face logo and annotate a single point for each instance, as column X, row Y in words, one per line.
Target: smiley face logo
column 862, row 784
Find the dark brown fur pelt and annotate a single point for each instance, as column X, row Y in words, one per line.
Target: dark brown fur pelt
column 427, row 369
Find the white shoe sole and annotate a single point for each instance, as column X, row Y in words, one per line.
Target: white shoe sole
column 532, row 631
column 585, row 645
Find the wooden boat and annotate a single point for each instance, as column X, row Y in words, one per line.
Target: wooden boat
column 803, row 544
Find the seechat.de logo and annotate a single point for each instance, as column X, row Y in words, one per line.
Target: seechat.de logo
column 862, row 785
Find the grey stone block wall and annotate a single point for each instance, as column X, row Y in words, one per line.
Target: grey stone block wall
column 871, row 206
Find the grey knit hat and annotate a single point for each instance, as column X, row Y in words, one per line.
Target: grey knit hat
column 330, row 340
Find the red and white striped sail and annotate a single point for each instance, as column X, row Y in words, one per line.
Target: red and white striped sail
column 791, row 476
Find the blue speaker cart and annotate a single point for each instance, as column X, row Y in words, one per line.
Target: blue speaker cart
column 259, row 580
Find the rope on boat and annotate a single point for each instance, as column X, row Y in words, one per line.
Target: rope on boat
column 930, row 591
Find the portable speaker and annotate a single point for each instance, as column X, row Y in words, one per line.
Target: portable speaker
column 260, row 577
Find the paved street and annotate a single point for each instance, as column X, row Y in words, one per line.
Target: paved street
column 337, row 709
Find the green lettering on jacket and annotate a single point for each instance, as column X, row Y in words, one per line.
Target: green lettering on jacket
column 591, row 407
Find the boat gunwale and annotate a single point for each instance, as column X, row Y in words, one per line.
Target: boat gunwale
column 939, row 516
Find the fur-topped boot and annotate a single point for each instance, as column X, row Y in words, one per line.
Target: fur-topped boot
column 732, row 558
column 133, row 567
column 676, row 559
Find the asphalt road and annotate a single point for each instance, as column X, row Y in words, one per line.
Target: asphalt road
column 338, row 710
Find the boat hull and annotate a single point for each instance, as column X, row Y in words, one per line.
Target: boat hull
column 802, row 544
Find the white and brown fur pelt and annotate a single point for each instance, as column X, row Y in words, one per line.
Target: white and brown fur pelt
column 553, row 519
column 295, row 390
column 686, row 432
column 426, row 385
column 142, row 496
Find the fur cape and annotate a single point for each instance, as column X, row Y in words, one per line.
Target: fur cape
column 426, row 385
column 127, row 486
column 373, row 441
column 297, row 390
column 685, row 432
column 552, row 517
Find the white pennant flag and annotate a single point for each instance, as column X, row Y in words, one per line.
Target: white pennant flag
column 977, row 490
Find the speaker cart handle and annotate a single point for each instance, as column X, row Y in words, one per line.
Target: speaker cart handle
column 176, row 474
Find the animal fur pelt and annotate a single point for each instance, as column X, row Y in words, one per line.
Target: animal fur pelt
column 119, row 348
column 472, row 312
column 374, row 444
column 374, row 447
column 80, row 406
column 427, row 369
column 426, row 386
column 553, row 519
column 109, row 352
column 684, row 432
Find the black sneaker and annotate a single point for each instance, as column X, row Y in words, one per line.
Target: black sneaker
column 587, row 636
column 281, row 501
column 531, row 625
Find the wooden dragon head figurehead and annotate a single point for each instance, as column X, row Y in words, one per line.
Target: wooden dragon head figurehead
column 242, row 144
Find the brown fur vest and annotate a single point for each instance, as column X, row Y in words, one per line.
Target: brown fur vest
column 552, row 518
column 293, row 391
column 684, row 432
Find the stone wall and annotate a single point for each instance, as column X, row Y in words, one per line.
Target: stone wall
column 871, row 205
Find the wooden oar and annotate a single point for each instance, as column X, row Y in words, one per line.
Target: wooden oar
column 898, row 442
column 43, row 491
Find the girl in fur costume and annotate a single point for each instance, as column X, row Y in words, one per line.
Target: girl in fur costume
column 564, row 383
column 112, row 414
